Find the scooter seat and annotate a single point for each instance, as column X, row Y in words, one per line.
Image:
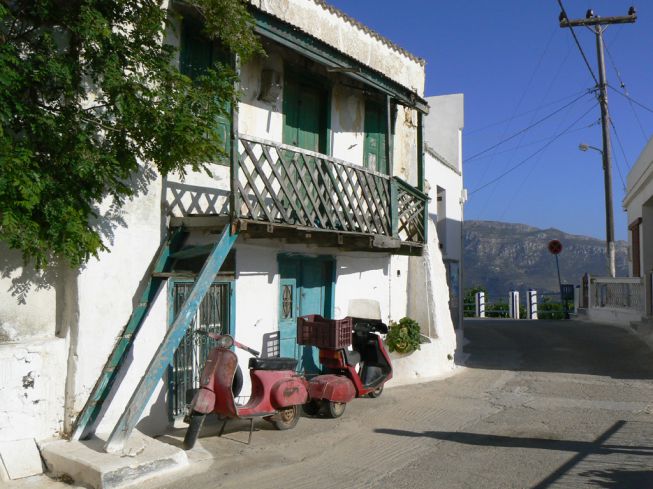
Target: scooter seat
column 273, row 363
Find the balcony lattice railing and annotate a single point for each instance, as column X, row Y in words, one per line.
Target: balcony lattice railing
column 411, row 213
column 280, row 184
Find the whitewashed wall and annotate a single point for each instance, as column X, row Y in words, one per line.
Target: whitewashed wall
column 359, row 275
column 89, row 309
column 638, row 202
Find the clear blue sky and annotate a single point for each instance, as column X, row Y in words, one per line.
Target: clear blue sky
column 515, row 66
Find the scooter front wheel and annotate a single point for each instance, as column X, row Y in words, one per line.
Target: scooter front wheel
column 194, row 426
column 285, row 419
column 334, row 409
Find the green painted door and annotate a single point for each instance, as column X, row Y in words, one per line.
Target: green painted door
column 306, row 287
column 198, row 53
column 374, row 156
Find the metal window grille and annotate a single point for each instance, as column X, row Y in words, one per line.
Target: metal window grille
column 213, row 315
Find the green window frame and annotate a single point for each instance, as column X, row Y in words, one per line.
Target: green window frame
column 375, row 133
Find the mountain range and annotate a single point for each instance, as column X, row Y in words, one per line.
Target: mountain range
column 503, row 256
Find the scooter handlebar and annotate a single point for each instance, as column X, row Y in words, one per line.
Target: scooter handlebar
column 247, row 348
column 229, row 341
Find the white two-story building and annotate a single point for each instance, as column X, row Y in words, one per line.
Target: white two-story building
column 325, row 197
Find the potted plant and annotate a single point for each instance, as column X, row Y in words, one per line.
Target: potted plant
column 404, row 336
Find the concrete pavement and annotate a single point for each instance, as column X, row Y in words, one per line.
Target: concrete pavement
column 540, row 404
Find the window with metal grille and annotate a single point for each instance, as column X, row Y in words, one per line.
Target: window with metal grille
column 213, row 316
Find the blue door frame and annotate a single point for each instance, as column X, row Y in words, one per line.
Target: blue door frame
column 306, row 286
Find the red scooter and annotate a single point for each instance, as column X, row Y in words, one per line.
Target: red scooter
column 359, row 372
column 277, row 390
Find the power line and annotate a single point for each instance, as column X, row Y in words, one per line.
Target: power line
column 623, row 85
column 525, row 113
column 538, row 141
column 548, row 116
column 525, row 90
column 580, row 48
column 631, row 99
column 510, row 170
column 623, row 153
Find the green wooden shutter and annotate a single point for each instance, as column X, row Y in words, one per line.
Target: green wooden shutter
column 304, row 115
column 197, row 54
column 375, row 136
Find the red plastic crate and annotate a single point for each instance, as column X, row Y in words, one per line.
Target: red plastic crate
column 314, row 330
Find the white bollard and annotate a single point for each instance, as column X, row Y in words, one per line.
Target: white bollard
column 480, row 304
column 577, row 293
column 513, row 304
column 531, row 304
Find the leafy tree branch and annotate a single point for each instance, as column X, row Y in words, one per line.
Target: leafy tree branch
column 89, row 95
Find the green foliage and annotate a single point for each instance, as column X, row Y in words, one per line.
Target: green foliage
column 90, row 104
column 548, row 309
column 469, row 300
column 403, row 337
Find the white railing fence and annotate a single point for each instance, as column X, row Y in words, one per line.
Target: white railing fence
column 617, row 293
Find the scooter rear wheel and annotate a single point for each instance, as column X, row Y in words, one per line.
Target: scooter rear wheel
column 194, row 426
column 285, row 419
column 334, row 409
column 376, row 392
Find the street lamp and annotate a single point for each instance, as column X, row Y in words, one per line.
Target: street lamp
column 585, row 147
column 609, row 218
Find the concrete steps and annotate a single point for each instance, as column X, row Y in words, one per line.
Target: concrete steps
column 86, row 462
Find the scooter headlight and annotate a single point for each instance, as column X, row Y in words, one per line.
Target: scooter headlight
column 225, row 341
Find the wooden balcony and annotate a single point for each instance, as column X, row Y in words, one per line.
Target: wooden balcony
column 279, row 185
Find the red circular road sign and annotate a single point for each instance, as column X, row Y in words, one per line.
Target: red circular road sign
column 555, row 246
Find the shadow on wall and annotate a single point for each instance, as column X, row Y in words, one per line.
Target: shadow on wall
column 25, row 279
column 182, row 199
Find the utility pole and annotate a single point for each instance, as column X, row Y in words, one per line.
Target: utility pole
column 596, row 21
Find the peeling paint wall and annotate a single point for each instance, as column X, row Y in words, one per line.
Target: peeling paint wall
column 32, row 357
column 405, row 145
column 32, row 388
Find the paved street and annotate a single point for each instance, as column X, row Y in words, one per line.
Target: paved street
column 540, row 404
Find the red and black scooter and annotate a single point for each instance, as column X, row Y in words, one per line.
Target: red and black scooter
column 357, row 372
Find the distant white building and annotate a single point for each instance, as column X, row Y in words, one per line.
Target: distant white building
column 638, row 202
column 444, row 176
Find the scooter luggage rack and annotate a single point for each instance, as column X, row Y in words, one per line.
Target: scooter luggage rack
column 314, row 330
